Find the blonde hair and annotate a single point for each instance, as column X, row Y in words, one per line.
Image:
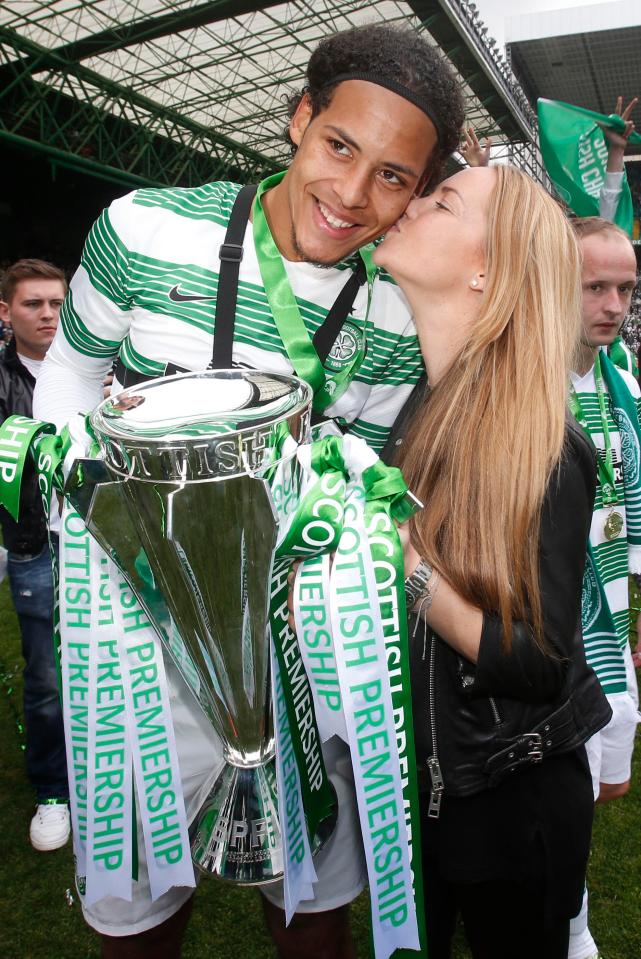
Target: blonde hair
column 484, row 447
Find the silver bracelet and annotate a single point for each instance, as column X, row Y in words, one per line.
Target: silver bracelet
column 416, row 583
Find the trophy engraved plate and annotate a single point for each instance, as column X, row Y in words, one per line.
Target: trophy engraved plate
column 182, row 502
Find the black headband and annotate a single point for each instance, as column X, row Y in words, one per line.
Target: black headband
column 397, row 88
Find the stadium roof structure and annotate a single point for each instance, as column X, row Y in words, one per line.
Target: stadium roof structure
column 173, row 92
column 589, row 68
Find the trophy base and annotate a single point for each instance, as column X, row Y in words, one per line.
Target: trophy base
column 237, row 834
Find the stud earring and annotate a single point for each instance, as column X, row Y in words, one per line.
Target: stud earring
column 475, row 282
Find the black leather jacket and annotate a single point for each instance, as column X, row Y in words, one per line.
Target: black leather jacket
column 29, row 535
column 476, row 724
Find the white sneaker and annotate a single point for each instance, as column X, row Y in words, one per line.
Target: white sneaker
column 50, row 826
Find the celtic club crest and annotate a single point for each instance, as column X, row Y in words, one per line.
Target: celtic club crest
column 346, row 346
column 590, row 597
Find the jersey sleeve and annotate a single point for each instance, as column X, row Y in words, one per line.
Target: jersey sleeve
column 94, row 319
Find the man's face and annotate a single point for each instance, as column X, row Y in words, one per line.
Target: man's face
column 358, row 164
column 608, row 279
column 33, row 313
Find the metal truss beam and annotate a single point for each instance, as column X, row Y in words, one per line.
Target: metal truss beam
column 153, row 28
column 89, row 122
column 451, row 24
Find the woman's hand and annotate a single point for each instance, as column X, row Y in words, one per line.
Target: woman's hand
column 454, row 619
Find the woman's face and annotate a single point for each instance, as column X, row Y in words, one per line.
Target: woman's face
column 438, row 244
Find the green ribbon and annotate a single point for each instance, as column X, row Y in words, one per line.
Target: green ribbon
column 327, row 454
column 17, row 435
column 386, row 483
column 318, row 800
column 48, row 449
column 327, row 461
column 289, row 322
column 322, row 503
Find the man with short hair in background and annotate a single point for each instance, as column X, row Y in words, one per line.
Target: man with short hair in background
column 31, row 294
column 606, row 399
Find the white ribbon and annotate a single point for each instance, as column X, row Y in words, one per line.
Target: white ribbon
column 362, row 667
column 75, row 634
column 299, row 872
column 161, row 804
column 117, row 711
column 313, row 617
column 109, row 787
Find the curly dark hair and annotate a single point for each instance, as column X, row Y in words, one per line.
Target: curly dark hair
column 394, row 53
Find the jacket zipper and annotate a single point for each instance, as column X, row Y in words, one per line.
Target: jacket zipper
column 495, row 711
column 433, row 765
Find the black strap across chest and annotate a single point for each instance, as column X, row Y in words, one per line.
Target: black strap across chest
column 231, row 254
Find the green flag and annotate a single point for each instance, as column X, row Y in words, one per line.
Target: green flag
column 575, row 153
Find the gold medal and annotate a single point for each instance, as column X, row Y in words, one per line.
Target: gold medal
column 613, row 525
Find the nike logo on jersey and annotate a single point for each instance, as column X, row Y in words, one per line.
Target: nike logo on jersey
column 177, row 296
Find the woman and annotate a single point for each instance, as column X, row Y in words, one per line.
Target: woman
column 503, row 699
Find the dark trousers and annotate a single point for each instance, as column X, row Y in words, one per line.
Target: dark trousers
column 32, row 591
column 503, row 920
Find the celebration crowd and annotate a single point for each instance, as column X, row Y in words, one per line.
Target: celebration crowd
column 480, row 352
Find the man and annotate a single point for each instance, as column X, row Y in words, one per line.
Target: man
column 618, row 351
column 605, row 400
column 31, row 294
column 379, row 115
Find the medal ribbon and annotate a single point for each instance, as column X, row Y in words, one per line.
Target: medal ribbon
column 605, row 464
column 282, row 303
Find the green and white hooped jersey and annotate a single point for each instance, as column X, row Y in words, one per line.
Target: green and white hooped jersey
column 146, row 290
column 611, row 556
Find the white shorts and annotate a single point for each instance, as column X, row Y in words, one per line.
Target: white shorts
column 340, row 864
column 610, row 750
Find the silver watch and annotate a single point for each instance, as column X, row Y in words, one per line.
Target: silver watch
column 416, row 583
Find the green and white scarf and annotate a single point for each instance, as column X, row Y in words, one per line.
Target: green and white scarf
column 604, row 612
column 623, row 357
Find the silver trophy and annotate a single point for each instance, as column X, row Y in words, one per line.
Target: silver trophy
column 188, row 500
